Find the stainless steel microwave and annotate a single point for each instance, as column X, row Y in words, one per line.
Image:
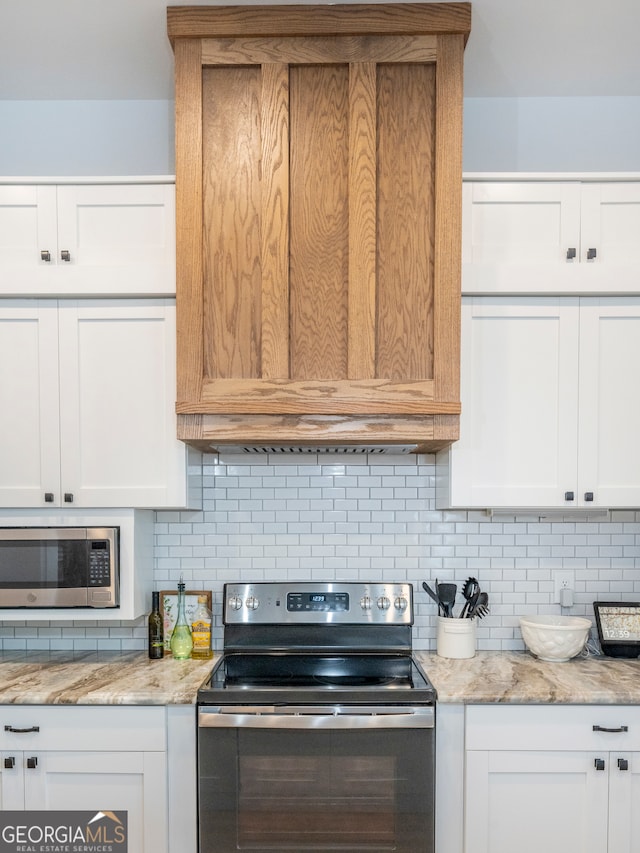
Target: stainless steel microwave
column 59, row 567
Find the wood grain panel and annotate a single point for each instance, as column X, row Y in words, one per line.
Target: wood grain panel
column 318, row 294
column 275, row 221
column 448, row 218
column 218, row 430
column 308, row 50
column 189, row 321
column 319, row 396
column 362, row 221
column 319, row 97
column 406, row 112
column 352, row 19
column 232, row 208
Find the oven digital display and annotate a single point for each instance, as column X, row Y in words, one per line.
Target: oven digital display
column 332, row 602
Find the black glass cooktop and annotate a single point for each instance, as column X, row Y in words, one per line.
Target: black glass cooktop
column 241, row 677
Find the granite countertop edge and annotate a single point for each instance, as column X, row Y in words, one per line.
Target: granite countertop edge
column 490, row 677
column 99, row 678
column 519, row 678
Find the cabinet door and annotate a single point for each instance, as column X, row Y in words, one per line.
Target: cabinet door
column 624, row 796
column 29, row 422
column 87, row 239
column 610, row 227
column 519, row 395
column 118, row 238
column 11, row 780
column 28, row 229
column 535, row 801
column 609, row 450
column 117, row 391
column 134, row 782
column 519, row 236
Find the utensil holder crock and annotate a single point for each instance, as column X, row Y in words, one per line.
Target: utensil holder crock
column 456, row 638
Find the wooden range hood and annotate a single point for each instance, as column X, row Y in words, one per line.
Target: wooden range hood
column 318, row 182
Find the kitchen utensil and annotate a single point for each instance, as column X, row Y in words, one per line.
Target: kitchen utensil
column 447, row 595
column 469, row 588
column 469, row 610
column 482, row 607
column 430, row 593
column 440, row 607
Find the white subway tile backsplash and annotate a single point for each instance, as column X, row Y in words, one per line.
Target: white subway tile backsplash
column 358, row 518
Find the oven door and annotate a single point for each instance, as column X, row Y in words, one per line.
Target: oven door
column 316, row 779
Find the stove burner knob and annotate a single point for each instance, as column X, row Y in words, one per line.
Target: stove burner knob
column 365, row 602
column 401, row 603
column 235, row 602
column 383, row 603
column 252, row 602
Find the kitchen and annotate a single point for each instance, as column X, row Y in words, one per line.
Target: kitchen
column 308, row 518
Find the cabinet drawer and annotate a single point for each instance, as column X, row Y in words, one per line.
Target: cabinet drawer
column 556, row 727
column 78, row 728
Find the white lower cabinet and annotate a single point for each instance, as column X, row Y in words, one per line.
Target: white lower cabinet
column 553, row 779
column 97, row 758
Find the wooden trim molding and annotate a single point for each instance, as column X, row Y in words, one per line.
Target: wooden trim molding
column 403, row 19
column 259, row 430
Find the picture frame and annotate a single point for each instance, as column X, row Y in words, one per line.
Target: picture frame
column 169, row 609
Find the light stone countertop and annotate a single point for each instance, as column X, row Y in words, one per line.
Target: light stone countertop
column 98, row 678
column 520, row 678
column 109, row 678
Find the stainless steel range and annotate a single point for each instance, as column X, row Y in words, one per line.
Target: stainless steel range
column 316, row 730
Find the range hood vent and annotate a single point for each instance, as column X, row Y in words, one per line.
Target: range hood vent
column 335, row 450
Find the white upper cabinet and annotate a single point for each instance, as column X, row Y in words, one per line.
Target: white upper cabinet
column 550, row 409
column 555, row 237
column 609, row 402
column 87, row 414
column 87, row 239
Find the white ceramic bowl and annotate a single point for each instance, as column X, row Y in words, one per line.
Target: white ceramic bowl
column 555, row 638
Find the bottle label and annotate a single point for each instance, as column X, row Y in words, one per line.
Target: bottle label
column 201, row 634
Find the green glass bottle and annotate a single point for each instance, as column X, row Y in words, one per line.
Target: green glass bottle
column 181, row 640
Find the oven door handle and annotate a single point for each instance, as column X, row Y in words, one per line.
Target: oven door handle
column 322, row 717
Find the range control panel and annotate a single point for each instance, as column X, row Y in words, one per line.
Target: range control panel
column 318, row 603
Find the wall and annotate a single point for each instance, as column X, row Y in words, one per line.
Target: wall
column 349, row 518
column 500, row 134
column 75, row 138
column 552, row 134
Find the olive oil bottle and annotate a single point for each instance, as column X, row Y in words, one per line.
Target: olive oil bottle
column 201, row 630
